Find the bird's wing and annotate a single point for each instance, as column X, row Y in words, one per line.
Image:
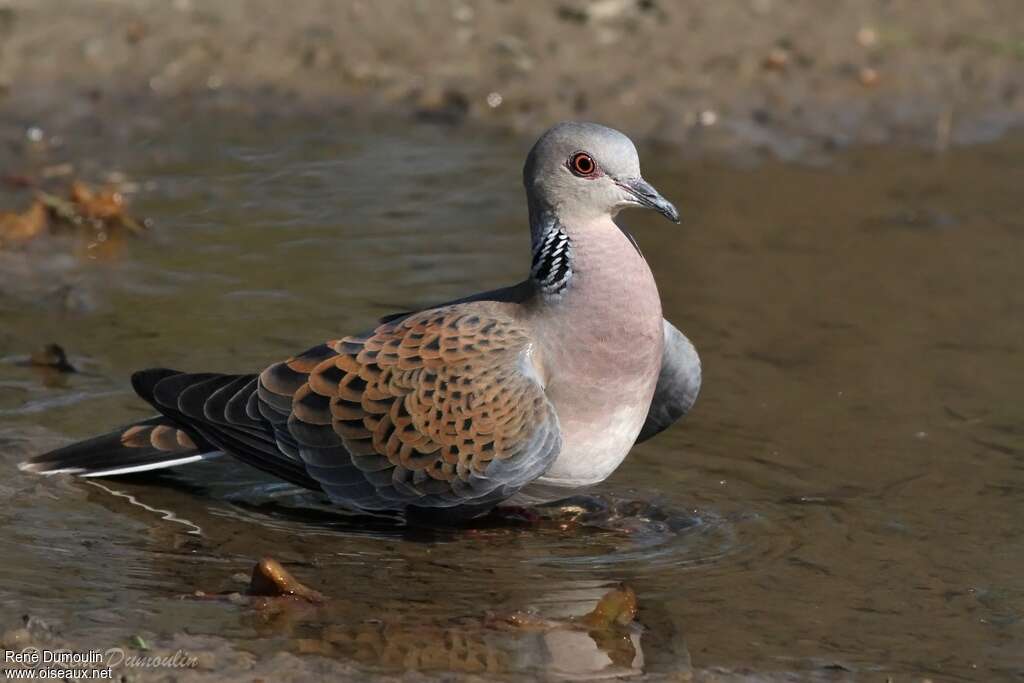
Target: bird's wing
column 224, row 411
column 438, row 409
column 678, row 383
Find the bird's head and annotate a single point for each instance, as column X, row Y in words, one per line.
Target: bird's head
column 588, row 171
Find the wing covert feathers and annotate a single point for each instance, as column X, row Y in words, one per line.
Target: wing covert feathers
column 433, row 410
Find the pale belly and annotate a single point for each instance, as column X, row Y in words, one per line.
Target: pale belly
column 601, row 394
column 590, row 453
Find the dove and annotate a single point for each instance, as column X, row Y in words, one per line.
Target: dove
column 532, row 392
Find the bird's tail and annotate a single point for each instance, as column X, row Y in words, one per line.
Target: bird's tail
column 152, row 444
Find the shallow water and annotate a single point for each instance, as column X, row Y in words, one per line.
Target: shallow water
column 846, row 500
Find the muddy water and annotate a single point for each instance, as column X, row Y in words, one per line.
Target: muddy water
column 846, row 501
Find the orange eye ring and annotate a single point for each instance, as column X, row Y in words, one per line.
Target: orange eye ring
column 583, row 165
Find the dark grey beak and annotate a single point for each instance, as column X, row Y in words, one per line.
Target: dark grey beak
column 646, row 195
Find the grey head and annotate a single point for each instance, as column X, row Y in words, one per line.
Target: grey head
column 587, row 171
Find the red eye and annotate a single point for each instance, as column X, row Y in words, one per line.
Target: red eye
column 582, row 164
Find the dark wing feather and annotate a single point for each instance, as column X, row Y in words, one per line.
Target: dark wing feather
column 678, row 383
column 149, row 444
column 198, row 402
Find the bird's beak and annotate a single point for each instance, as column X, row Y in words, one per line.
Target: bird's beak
column 644, row 194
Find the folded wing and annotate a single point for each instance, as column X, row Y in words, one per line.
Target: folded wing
column 678, row 383
column 439, row 409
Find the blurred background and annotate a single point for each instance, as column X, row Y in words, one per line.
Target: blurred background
column 786, row 75
column 218, row 185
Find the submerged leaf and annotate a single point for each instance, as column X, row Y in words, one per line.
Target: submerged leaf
column 616, row 608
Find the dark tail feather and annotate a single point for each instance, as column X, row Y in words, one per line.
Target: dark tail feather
column 152, row 444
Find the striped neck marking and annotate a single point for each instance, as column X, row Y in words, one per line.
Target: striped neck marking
column 552, row 261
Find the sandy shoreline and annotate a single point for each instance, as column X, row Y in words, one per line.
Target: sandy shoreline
column 786, row 78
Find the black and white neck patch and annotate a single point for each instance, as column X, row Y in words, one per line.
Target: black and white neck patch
column 552, row 260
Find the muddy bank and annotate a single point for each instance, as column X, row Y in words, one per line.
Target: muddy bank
column 790, row 77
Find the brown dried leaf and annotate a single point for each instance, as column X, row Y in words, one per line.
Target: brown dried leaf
column 106, row 204
column 51, row 356
column 18, row 228
column 617, row 608
column 101, row 213
column 270, row 578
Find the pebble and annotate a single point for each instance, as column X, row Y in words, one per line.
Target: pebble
column 16, row 638
column 867, row 36
column 868, row 77
column 776, row 60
